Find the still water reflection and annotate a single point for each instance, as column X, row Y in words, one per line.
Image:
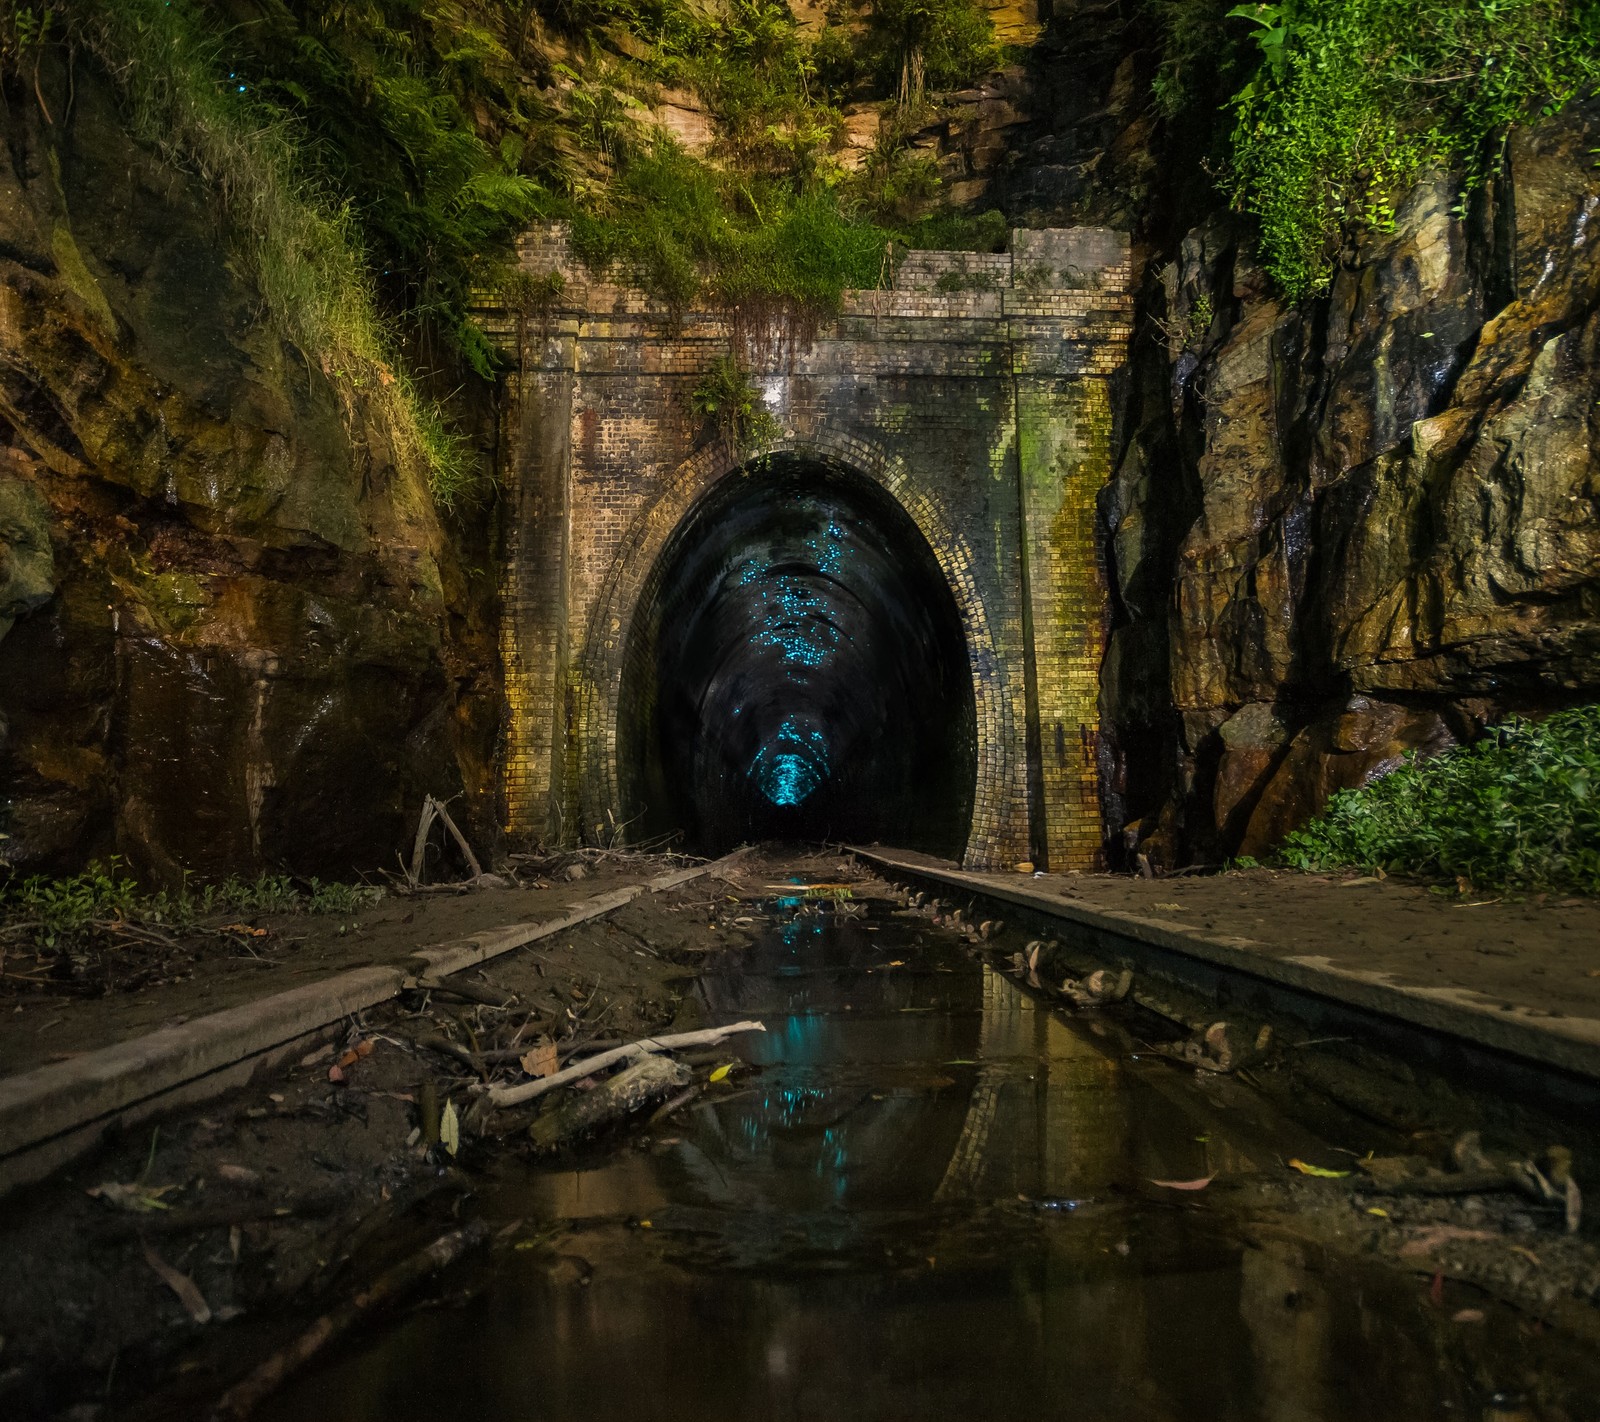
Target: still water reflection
column 931, row 1201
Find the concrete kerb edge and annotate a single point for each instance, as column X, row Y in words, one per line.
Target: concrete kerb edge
column 1564, row 1044
column 55, row 1112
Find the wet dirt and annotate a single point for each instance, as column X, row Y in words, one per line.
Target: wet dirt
column 928, row 1193
column 160, row 983
column 277, row 1199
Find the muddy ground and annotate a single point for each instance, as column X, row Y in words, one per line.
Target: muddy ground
column 1537, row 950
column 264, row 1210
column 262, row 1198
column 121, row 983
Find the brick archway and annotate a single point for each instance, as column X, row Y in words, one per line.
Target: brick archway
column 976, row 394
column 596, row 681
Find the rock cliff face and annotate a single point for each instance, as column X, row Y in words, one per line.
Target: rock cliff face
column 1341, row 530
column 1361, row 526
column 232, row 629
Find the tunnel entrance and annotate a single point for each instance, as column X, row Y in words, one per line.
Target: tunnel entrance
column 796, row 669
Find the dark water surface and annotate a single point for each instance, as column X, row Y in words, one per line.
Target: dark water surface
column 933, row 1200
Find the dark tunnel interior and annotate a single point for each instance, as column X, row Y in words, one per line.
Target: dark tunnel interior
column 796, row 670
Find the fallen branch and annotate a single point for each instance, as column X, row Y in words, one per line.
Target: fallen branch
column 500, row 1096
column 628, row 1091
column 431, row 810
column 468, row 992
column 389, row 1288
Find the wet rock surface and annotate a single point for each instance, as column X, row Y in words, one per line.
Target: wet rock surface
column 232, row 627
column 1369, row 523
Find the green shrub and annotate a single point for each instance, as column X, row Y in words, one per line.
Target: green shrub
column 1519, row 808
column 728, row 398
column 685, row 231
column 1348, row 102
column 915, row 45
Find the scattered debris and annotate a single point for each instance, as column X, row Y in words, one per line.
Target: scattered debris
column 136, row 1195
column 1477, row 1172
column 1101, row 987
column 541, row 1058
column 1425, row 1241
column 1320, row 1172
column 502, row 1096
column 618, row 1097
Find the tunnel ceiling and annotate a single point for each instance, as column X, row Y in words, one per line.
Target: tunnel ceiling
column 796, row 669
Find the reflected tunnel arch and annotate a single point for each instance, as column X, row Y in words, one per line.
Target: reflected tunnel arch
column 796, row 669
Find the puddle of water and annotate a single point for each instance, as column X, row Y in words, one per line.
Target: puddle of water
column 930, row 1201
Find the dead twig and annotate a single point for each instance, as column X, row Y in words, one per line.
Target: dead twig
column 502, row 1096
column 388, row 1289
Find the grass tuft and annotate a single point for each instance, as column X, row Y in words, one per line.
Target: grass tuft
column 54, row 911
column 301, row 244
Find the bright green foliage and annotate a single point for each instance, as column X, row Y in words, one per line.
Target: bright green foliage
column 1518, row 809
column 66, row 909
column 1355, row 98
column 1352, row 100
column 730, row 400
column 686, row 231
column 915, row 45
column 377, row 90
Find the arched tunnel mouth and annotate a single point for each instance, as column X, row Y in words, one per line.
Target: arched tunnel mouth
column 796, row 669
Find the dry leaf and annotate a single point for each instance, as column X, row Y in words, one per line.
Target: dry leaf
column 721, row 1073
column 449, row 1128
column 238, row 1174
column 134, row 1196
column 1199, row 1184
column 180, row 1284
column 243, row 928
column 1318, row 1171
column 1429, row 1239
column 363, row 1048
column 540, row 1059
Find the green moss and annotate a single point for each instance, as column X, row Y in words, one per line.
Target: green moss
column 1518, row 809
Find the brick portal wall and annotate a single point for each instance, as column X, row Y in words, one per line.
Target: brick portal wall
column 974, row 391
